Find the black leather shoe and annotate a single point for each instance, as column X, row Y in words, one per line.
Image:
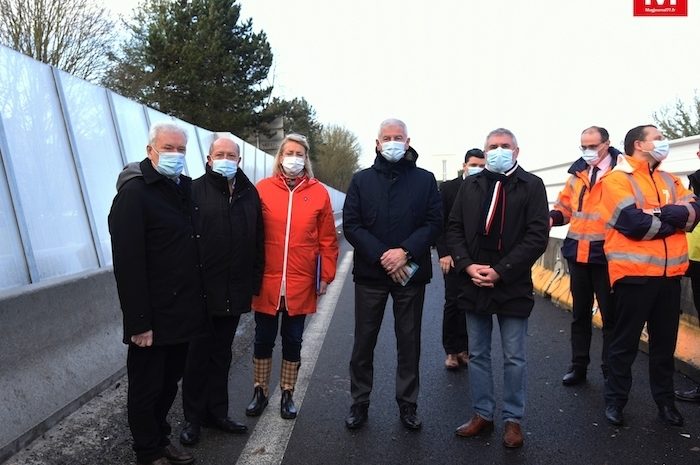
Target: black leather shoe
column 228, row 425
column 613, row 414
column 693, row 395
column 358, row 416
column 190, row 434
column 257, row 404
column 670, row 415
column 176, row 456
column 288, row 410
column 574, row 376
column 159, row 461
column 409, row 418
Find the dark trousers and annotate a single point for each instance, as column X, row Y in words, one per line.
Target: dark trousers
column 454, row 320
column 153, row 376
column 370, row 302
column 587, row 279
column 656, row 302
column 266, row 332
column 205, row 382
column 694, row 274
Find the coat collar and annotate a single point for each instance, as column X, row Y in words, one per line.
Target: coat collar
column 220, row 182
column 151, row 176
column 628, row 164
column 581, row 165
column 408, row 161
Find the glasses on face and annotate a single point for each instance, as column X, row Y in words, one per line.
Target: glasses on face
column 591, row 147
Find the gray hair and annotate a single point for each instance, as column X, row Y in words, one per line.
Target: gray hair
column 164, row 126
column 299, row 139
column 501, row 132
column 392, row 122
column 224, row 135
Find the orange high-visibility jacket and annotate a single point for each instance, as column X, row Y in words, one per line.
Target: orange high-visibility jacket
column 639, row 243
column 299, row 227
column 577, row 206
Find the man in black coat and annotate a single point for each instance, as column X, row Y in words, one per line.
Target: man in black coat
column 497, row 229
column 454, row 321
column 231, row 228
column 156, row 266
column 392, row 215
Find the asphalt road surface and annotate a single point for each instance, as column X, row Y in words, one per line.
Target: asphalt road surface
column 562, row 425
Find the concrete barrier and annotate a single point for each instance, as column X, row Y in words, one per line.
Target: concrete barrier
column 60, row 344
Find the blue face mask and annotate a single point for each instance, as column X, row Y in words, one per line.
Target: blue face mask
column 171, row 164
column 499, row 160
column 393, row 150
column 660, row 150
column 474, row 170
column 226, row 168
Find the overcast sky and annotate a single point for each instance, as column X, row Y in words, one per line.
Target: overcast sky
column 455, row 69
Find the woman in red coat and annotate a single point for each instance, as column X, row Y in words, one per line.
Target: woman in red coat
column 301, row 250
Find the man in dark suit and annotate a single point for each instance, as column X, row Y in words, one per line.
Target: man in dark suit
column 454, row 321
column 231, row 228
column 391, row 217
column 156, row 266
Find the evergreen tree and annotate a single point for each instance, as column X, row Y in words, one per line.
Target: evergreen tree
column 297, row 116
column 195, row 60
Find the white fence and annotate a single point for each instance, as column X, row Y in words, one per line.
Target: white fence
column 63, row 141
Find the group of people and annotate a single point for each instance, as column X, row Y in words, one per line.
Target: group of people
column 627, row 245
column 489, row 226
column 190, row 257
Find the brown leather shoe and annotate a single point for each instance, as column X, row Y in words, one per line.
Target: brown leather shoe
column 463, row 358
column 474, row 427
column 513, row 435
column 451, row 362
column 177, row 456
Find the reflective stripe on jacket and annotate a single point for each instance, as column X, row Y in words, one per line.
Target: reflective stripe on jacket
column 637, row 243
column 577, row 206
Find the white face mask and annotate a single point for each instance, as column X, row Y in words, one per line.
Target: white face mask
column 590, row 157
column 292, row 165
column 393, row 150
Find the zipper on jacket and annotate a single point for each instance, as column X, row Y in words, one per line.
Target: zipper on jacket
column 656, row 189
column 580, row 198
column 286, row 243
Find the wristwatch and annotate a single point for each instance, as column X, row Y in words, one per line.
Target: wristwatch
column 407, row 253
column 656, row 212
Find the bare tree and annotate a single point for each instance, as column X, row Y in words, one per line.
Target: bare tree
column 337, row 157
column 73, row 35
column 681, row 120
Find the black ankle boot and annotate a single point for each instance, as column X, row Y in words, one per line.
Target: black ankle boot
column 257, row 404
column 288, row 410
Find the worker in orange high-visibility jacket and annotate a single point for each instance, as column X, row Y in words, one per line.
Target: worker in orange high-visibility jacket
column 648, row 211
column 577, row 206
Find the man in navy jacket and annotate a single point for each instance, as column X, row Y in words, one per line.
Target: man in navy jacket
column 392, row 215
